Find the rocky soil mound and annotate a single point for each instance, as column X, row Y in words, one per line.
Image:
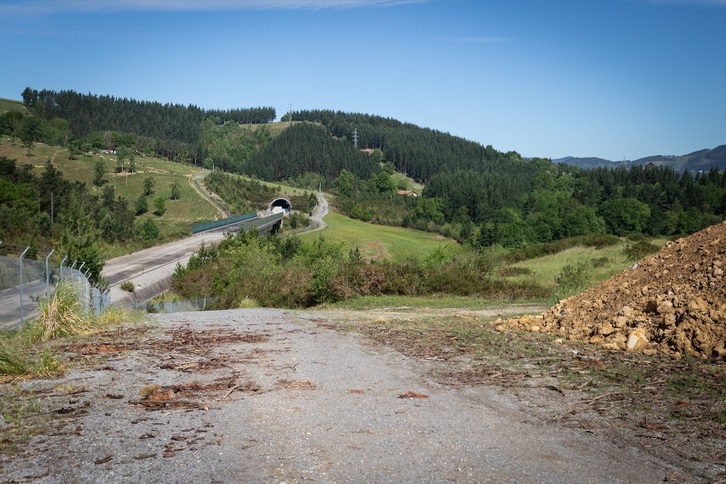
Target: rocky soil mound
column 672, row 302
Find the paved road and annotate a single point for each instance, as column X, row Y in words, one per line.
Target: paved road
column 10, row 303
column 147, row 269
column 153, row 265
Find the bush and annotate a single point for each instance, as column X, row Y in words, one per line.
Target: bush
column 148, row 230
column 128, row 286
column 160, row 204
column 640, row 248
column 275, row 272
column 572, row 279
column 598, row 241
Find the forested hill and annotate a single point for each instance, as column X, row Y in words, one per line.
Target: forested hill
column 165, row 129
column 702, row 160
column 418, row 152
column 308, row 148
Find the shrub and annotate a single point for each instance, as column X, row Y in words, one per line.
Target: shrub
column 515, row 271
column 640, row 248
column 572, row 279
column 128, row 286
column 598, row 241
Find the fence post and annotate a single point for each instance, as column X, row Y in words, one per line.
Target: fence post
column 87, row 290
column 47, row 274
column 61, row 266
column 21, row 284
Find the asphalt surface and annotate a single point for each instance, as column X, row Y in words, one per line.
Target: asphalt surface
column 317, row 406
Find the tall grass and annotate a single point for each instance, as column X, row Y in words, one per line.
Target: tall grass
column 61, row 314
column 12, row 360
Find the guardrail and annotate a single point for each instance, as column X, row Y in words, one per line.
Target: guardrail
column 204, row 226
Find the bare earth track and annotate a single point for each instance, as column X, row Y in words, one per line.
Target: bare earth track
column 279, row 396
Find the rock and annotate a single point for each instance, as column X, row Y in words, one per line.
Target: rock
column 697, row 304
column 626, row 311
column 665, row 307
column 605, row 329
column 637, row 340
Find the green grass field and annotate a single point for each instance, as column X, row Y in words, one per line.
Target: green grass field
column 603, row 264
column 379, row 241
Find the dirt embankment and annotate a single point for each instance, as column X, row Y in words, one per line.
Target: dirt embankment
column 672, row 302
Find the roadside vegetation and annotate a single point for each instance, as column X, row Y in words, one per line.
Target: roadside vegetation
column 327, row 268
column 28, row 352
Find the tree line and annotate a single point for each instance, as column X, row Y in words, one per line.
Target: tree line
column 473, row 193
column 165, row 129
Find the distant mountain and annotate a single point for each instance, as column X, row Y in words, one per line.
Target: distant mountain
column 702, row 160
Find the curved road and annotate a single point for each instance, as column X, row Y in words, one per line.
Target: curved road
column 156, row 264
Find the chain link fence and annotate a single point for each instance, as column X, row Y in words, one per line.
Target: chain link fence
column 24, row 280
column 152, row 306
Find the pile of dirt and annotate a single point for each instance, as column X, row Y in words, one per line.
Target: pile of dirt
column 672, row 302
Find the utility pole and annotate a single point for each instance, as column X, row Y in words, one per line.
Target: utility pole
column 355, row 138
column 289, row 113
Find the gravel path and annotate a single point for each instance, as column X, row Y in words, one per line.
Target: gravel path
column 269, row 396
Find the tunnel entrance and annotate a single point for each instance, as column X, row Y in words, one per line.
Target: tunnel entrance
column 280, row 205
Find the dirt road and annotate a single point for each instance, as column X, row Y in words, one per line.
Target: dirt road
column 273, row 396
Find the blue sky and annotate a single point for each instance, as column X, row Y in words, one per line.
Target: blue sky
column 617, row 79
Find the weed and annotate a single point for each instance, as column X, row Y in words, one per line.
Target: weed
column 48, row 366
column 127, row 286
column 116, row 315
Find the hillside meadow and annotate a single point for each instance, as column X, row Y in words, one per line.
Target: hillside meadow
column 381, row 241
column 192, row 207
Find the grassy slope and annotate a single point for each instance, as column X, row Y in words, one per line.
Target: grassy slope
column 543, row 270
column 11, row 105
column 378, row 241
column 180, row 214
